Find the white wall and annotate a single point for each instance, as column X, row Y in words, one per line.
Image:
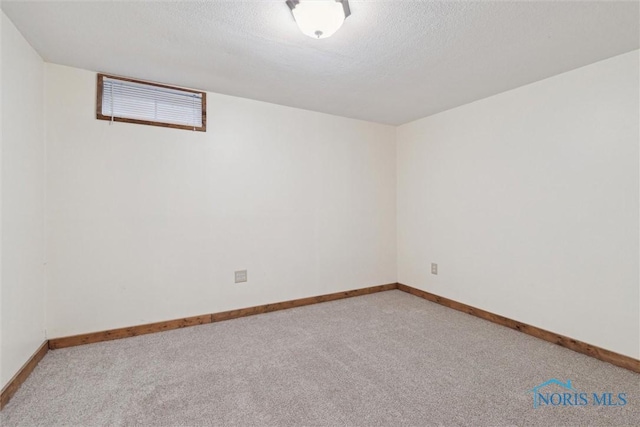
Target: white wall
column 528, row 202
column 148, row 224
column 22, row 241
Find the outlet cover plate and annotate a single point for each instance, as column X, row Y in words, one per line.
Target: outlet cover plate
column 241, row 276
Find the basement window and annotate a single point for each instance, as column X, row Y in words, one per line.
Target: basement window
column 133, row 101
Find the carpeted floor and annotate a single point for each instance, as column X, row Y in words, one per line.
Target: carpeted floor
column 386, row 359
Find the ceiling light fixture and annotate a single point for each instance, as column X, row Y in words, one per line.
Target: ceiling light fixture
column 319, row 18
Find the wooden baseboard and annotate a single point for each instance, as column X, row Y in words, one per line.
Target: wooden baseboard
column 570, row 343
column 132, row 331
column 233, row 314
column 10, row 389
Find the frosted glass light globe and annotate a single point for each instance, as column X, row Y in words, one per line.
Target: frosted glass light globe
column 319, row 18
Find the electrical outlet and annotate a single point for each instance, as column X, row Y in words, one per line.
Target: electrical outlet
column 434, row 268
column 241, row 276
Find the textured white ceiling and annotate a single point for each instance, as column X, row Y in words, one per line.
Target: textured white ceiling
column 392, row 61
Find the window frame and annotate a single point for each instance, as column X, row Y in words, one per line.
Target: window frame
column 100, row 116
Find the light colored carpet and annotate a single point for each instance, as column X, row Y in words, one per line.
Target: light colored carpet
column 386, row 359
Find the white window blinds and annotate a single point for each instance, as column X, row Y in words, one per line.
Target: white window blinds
column 147, row 102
